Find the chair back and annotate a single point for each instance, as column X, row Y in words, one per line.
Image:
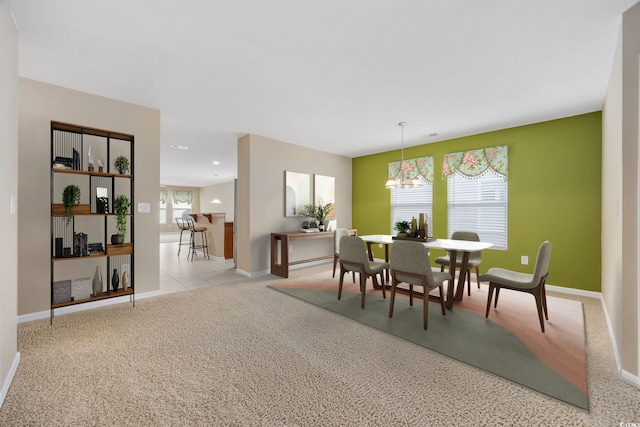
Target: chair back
column 339, row 234
column 180, row 223
column 190, row 224
column 410, row 257
column 542, row 262
column 352, row 250
column 470, row 236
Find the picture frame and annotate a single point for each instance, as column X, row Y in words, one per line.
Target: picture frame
column 324, row 191
column 297, row 192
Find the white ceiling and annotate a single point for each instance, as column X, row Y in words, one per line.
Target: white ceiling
column 334, row 75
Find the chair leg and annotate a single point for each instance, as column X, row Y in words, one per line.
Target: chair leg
column 491, row 287
column 393, row 297
column 497, row 295
column 180, row 244
column 469, row 282
column 410, row 295
column 444, row 313
column 363, row 284
column 425, row 310
column 544, row 302
column 478, row 276
column 335, row 262
column 538, row 297
column 342, row 271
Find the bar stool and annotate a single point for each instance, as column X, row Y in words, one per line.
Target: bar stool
column 182, row 227
column 204, row 241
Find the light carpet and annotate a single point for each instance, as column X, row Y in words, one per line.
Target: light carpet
column 241, row 354
column 553, row 363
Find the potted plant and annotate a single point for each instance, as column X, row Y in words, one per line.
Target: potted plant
column 121, row 164
column 402, row 227
column 121, row 206
column 318, row 212
column 70, row 197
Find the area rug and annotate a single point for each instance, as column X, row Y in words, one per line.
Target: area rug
column 508, row 344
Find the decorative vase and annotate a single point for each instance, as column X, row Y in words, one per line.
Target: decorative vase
column 115, row 280
column 125, row 280
column 117, row 239
column 321, row 226
column 97, row 282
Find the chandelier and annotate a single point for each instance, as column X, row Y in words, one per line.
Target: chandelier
column 403, row 180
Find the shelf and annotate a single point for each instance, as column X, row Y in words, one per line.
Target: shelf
column 124, row 249
column 69, row 146
column 57, row 209
column 104, row 295
column 91, row 173
column 97, row 255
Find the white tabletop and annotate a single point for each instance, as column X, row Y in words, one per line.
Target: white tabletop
column 446, row 244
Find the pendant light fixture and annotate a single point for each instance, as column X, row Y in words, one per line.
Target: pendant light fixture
column 216, row 200
column 402, row 180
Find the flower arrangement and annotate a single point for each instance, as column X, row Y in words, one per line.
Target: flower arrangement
column 318, row 212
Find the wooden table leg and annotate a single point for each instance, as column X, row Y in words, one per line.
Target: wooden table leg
column 452, row 271
column 464, row 267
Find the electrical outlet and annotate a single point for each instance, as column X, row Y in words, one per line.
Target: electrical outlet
column 524, row 260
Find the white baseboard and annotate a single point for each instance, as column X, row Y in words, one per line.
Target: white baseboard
column 85, row 306
column 573, row 291
column 7, row 381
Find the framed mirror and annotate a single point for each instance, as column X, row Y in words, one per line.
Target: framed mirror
column 297, row 192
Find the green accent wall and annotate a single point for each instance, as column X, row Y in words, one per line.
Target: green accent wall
column 554, row 194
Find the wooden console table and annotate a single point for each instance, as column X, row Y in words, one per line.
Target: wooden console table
column 280, row 259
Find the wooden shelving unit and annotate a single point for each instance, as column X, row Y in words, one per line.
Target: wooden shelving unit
column 92, row 223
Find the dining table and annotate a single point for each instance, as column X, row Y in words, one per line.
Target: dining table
column 450, row 245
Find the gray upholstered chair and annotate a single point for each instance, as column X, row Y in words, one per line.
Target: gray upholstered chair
column 410, row 264
column 339, row 234
column 353, row 257
column 475, row 258
column 499, row 278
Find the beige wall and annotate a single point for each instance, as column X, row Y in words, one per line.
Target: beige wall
column 630, row 217
column 9, row 189
column 620, row 214
column 38, row 104
column 262, row 163
column 225, row 193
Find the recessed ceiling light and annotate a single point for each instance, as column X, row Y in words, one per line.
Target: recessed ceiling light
column 179, row 147
column 216, row 163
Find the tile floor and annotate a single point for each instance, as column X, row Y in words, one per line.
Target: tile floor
column 177, row 273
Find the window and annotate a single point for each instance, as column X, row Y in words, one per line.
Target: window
column 480, row 205
column 477, row 193
column 181, row 203
column 163, row 206
column 408, row 203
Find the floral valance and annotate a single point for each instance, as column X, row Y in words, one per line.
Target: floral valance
column 182, row 197
column 163, row 197
column 476, row 162
column 420, row 166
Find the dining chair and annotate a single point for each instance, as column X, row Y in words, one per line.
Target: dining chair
column 410, row 264
column 475, row 258
column 339, row 234
column 534, row 284
column 353, row 257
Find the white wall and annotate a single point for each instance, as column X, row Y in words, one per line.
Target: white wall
column 39, row 103
column 262, row 163
column 9, row 356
